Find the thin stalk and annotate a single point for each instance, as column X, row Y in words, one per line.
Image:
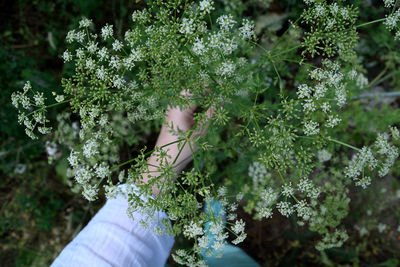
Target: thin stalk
column 370, row 22
column 146, row 154
column 283, row 35
column 343, row 144
column 50, row 106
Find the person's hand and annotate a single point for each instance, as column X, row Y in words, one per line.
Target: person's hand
column 184, row 121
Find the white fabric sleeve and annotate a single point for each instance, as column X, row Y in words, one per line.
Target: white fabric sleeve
column 111, row 238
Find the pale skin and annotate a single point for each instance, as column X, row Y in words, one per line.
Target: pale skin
column 184, row 121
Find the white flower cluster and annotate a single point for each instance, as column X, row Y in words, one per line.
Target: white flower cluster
column 85, row 175
column 67, row 56
column 324, row 155
column 311, row 128
column 85, row 23
column 187, row 26
column 193, row 229
column 386, row 149
column 388, row 3
column 267, row 197
column 308, row 188
column 206, row 6
column 287, row 190
column 392, row 23
column 52, row 151
column 226, row 69
column 303, row 210
column 330, row 84
column 141, row 16
column 238, row 229
column 332, row 240
column 309, row 2
column 107, row 31
column 74, row 35
column 259, row 174
column 226, row 22
column 198, row 47
column 187, row 259
column 247, row 30
column 285, row 208
column 365, row 158
column 31, row 110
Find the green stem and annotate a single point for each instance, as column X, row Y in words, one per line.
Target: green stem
column 146, row 154
column 284, row 34
column 370, row 22
column 287, row 50
column 343, row 144
column 372, row 83
column 50, row 106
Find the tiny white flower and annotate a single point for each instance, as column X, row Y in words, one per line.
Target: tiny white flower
column 226, row 22
column 361, row 81
column 247, row 30
column 107, row 31
column 39, row 99
column 20, row 168
column 238, row 227
column 285, row 208
column 73, row 159
column 226, row 69
column 388, row 3
column 203, row 242
column 324, row 155
column 240, row 238
column 51, row 148
column 90, row 148
column 187, row 26
column 311, row 128
column 199, row 47
column 319, row 10
column 303, row 91
column 92, row 47
column 118, row 82
column 80, row 53
column 206, row 6
column 101, row 73
column 115, row 63
column 103, row 53
column 67, row 56
column 381, row 227
column 193, row 229
column 287, row 190
column 90, row 192
column 364, row 182
column 332, row 121
column 80, row 36
column 139, row 15
column 363, row 231
column 84, row 23
column 308, row 106
column 352, row 74
column 117, row 45
column 326, row 107
column 102, row 170
column 90, row 65
column 70, row 36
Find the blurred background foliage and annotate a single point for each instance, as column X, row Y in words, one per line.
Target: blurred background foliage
column 39, row 214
